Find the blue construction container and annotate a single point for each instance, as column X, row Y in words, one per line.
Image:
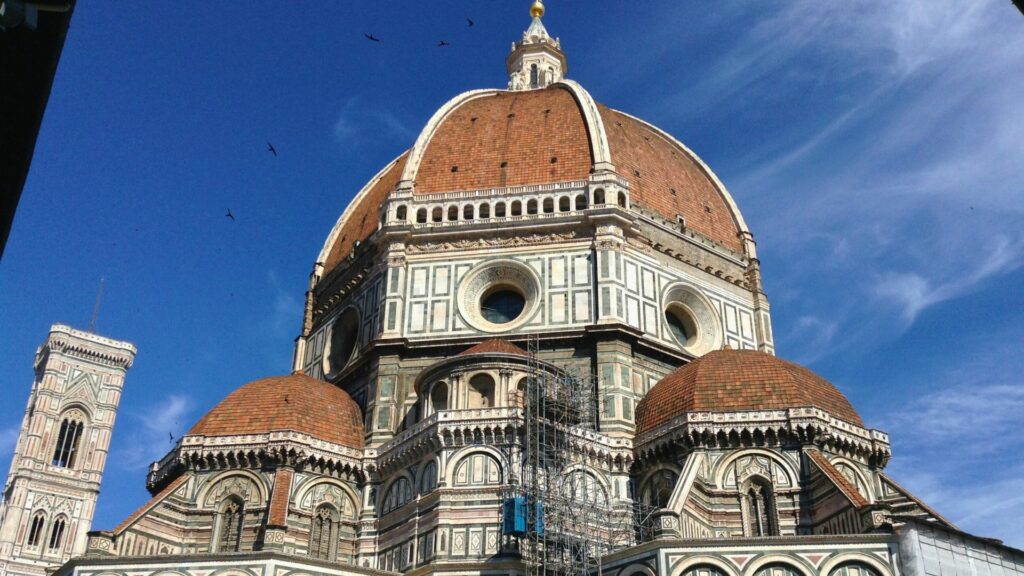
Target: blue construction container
column 513, row 520
column 515, row 517
column 538, row 522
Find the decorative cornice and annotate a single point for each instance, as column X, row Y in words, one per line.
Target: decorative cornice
column 88, row 346
column 281, row 446
column 504, row 241
column 806, row 424
column 500, row 425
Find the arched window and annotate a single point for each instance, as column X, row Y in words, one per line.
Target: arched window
column 478, row 470
column 517, row 208
column 399, row 493
column 499, row 210
column 659, row 488
column 481, row 391
column 401, row 212
column 583, row 488
column 704, row 570
column 853, row 569
column 521, row 392
column 421, row 216
column 549, row 205
column 428, row 478
column 66, row 450
column 439, row 397
column 581, row 202
column 437, row 214
column 599, row 196
column 778, row 569
column 531, row 206
column 453, row 212
column 759, row 502
column 467, row 212
column 229, row 531
column 485, row 210
column 56, row 534
column 534, row 81
column 621, row 199
column 323, row 532
column 35, row 532
column 563, row 204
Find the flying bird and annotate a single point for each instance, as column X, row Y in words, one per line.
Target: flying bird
column 468, row 21
column 170, row 437
column 229, row 215
column 271, row 149
column 442, row 43
column 371, row 38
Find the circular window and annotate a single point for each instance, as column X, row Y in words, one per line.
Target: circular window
column 499, row 295
column 690, row 320
column 502, row 305
column 681, row 324
column 342, row 342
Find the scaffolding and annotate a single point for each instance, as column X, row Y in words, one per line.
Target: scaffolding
column 563, row 518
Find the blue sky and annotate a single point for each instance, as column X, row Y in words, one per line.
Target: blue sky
column 874, row 148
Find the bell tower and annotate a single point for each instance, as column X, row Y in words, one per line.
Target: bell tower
column 536, row 61
column 50, row 495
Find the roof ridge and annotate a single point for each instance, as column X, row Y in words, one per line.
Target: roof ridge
column 838, row 479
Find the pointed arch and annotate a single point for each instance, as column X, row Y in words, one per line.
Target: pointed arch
column 57, row 532
column 69, row 437
column 36, row 529
column 323, row 532
column 759, row 511
column 230, row 521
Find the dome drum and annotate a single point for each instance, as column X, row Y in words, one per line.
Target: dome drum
column 440, row 213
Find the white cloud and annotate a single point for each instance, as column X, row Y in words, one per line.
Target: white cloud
column 984, row 416
column 989, row 508
column 913, row 294
column 285, row 319
column 956, row 444
column 9, row 439
column 152, row 430
column 358, row 124
column 815, row 336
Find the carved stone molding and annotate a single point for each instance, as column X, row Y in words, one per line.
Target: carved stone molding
column 493, row 242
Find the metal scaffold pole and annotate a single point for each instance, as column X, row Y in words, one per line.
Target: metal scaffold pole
column 563, row 519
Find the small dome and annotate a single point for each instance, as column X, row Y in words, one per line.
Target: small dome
column 495, row 346
column 737, row 380
column 296, row 402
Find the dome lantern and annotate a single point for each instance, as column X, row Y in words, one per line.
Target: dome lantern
column 537, row 61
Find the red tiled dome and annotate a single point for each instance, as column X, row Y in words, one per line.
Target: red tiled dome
column 499, row 138
column 296, row 402
column 495, row 346
column 738, row 380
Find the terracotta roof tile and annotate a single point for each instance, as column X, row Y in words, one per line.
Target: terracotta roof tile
column 838, row 478
column 508, row 139
column 738, row 380
column 279, row 498
column 667, row 180
column 127, row 522
column 495, row 346
column 364, row 214
column 539, row 137
column 294, row 402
